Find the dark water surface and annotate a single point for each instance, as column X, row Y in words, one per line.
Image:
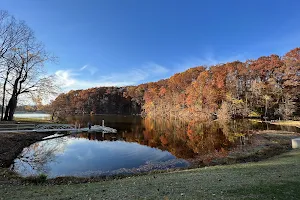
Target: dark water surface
column 140, row 145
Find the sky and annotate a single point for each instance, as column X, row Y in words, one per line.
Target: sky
column 129, row 42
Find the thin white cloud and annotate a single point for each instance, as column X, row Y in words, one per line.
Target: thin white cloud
column 155, row 68
column 136, row 75
column 70, row 80
column 207, row 60
column 65, row 77
column 84, row 67
column 92, row 70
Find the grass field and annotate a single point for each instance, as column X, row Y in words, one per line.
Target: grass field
column 287, row 123
column 275, row 178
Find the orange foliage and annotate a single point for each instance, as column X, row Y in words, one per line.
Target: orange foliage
column 199, row 92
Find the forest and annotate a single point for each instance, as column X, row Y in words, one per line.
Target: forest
column 267, row 87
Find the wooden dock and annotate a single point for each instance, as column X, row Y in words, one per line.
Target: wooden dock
column 55, row 128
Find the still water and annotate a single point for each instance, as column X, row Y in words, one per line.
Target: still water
column 77, row 156
column 141, row 145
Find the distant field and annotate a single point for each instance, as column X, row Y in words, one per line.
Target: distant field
column 287, row 123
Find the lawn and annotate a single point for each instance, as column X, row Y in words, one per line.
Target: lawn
column 287, row 123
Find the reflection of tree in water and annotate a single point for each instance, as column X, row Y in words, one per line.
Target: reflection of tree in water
column 36, row 157
column 98, row 136
column 187, row 140
column 182, row 139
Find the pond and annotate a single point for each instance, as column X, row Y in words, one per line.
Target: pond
column 141, row 145
column 78, row 156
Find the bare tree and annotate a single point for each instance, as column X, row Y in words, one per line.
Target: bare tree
column 22, row 60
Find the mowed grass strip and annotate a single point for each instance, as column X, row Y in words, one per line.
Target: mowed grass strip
column 287, row 123
column 276, row 178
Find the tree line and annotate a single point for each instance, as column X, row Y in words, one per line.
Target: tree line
column 22, row 59
column 101, row 100
column 267, row 87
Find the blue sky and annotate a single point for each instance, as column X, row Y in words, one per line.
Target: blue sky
column 128, row 42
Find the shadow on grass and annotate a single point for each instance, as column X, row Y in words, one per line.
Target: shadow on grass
column 280, row 190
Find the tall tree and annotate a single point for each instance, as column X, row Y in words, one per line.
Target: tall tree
column 22, row 60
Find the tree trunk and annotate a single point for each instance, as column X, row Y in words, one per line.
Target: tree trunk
column 3, row 95
column 3, row 100
column 266, row 108
column 12, row 104
column 10, row 109
column 52, row 117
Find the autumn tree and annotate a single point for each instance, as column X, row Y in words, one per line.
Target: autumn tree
column 268, row 87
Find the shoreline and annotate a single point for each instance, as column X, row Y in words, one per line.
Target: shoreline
column 280, row 122
column 12, row 144
column 274, row 178
column 266, row 144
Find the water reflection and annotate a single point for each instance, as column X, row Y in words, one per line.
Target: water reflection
column 36, row 156
column 80, row 155
column 140, row 145
column 183, row 139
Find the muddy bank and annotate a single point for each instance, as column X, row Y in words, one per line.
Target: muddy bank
column 12, row 144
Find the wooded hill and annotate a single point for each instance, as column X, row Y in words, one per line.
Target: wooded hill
column 267, row 87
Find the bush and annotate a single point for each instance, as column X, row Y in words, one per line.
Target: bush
column 42, row 178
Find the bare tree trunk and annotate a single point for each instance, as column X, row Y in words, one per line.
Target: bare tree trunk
column 10, row 109
column 3, row 100
column 3, row 94
column 52, row 117
column 266, row 108
column 12, row 104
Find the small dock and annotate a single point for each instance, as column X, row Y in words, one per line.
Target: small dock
column 40, row 128
column 97, row 128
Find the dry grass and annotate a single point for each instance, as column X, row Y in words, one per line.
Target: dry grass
column 33, row 120
column 287, row 123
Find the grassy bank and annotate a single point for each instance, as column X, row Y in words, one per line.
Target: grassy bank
column 276, row 178
column 280, row 123
column 287, row 123
column 33, row 120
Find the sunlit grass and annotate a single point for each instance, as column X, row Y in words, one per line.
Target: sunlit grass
column 255, row 120
column 287, row 123
column 33, row 120
column 254, row 114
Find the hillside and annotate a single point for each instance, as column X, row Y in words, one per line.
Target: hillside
column 267, row 87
